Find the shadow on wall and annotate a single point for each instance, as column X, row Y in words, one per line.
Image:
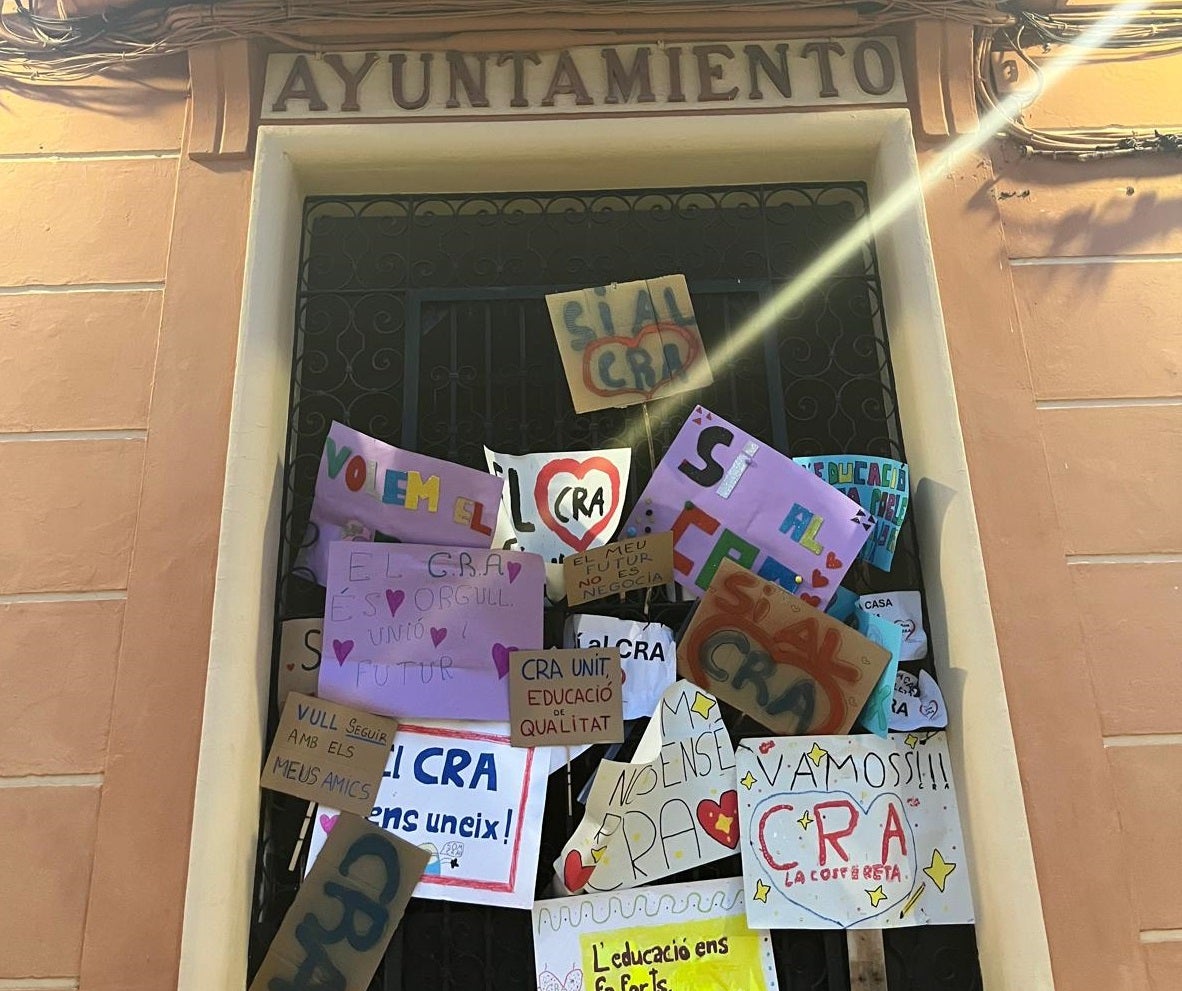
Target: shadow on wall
column 121, row 92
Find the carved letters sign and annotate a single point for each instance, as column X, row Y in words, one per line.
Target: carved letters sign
column 593, row 79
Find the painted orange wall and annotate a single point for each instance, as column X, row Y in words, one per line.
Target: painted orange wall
column 119, row 295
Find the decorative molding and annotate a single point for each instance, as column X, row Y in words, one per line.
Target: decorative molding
column 226, row 78
column 943, row 94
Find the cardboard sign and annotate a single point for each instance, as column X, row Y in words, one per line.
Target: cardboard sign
column 328, row 753
column 562, row 502
column 639, row 562
column 629, row 342
column 851, row 832
column 786, row 664
column 880, row 486
column 671, row 808
column 648, row 656
column 725, row 494
column 299, row 656
column 564, row 697
column 474, row 803
column 425, row 631
column 338, row 927
column 876, row 713
column 904, row 609
column 917, row 702
column 676, row 937
column 366, row 489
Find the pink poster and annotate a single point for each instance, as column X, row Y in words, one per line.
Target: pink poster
column 426, row 631
column 366, row 487
column 725, row 494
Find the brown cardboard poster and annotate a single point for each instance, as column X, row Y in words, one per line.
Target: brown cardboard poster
column 629, row 342
column 330, row 753
column 345, row 912
column 619, row 567
column 775, row 657
column 562, row 697
column 299, row 656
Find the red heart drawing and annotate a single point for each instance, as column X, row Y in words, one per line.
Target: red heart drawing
column 686, row 342
column 721, row 819
column 812, row 600
column 438, row 634
column 579, row 469
column 342, row 648
column 394, row 599
column 832, row 561
column 291, row 667
column 819, row 580
column 575, row 874
column 767, row 746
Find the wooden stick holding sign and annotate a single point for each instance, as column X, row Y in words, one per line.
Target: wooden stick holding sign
column 867, row 960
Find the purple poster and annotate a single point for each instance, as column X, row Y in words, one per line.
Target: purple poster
column 426, row 631
column 366, row 487
column 725, row 494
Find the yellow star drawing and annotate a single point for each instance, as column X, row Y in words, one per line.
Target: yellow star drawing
column 816, row 755
column 805, row 821
column 597, row 855
column 702, row 705
column 939, row 869
column 747, row 780
column 724, row 823
column 762, row 891
column 911, row 740
column 876, row 896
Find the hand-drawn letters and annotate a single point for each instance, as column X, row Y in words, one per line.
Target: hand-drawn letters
column 648, row 656
column 788, row 665
column 425, row 631
column 629, row 342
column 846, row 832
column 561, row 697
column 638, row 562
column 726, row 495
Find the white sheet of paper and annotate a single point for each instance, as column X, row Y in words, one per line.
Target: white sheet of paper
column 904, row 609
column 671, row 808
column 917, row 703
column 591, row 941
column 851, row 832
column 459, row 791
column 648, row 656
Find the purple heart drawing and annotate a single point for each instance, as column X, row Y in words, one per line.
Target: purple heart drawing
column 514, row 571
column 394, row 599
column 500, row 654
column 327, row 822
column 437, row 635
column 341, row 648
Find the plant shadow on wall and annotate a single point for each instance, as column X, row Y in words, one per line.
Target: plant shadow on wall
column 422, row 322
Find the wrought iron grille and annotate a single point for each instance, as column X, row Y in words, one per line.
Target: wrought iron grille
column 421, row 321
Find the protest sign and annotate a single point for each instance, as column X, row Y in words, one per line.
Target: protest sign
column 880, row 486
column 906, row 610
column 460, row 792
column 338, row 927
column 917, row 702
column 561, row 502
column 628, row 342
column 648, row 656
column 845, row 832
column 640, row 562
column 672, row 807
column 725, row 494
column 783, row 662
column 675, row 937
column 366, row 489
column 565, row 697
column 299, row 656
column 876, row 713
column 426, row 631
column 328, row 753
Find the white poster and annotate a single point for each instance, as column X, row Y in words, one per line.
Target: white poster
column 851, row 832
column 473, row 802
column 671, row 808
column 917, row 702
column 648, row 656
column 672, row 937
column 905, row 610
